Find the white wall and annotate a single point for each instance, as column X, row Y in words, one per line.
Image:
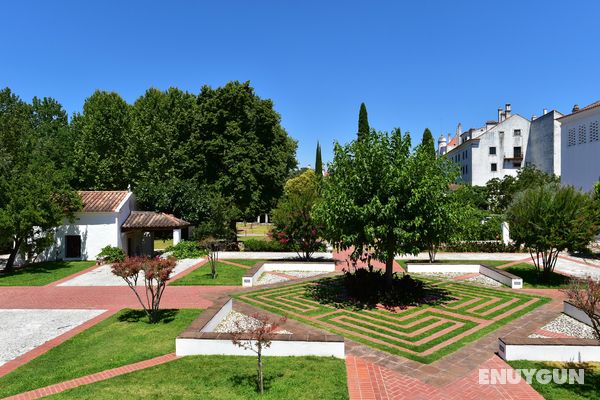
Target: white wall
column 543, row 147
column 96, row 230
column 580, row 162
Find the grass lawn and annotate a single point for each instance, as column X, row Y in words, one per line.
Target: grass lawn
column 40, row 274
column 491, row 263
column 422, row 333
column 253, row 228
column 552, row 391
column 249, row 263
column 123, row 338
column 263, row 238
column 531, row 280
column 228, row 275
column 160, row 244
column 224, row 378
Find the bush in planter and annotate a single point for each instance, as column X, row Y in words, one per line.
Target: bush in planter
column 112, row 254
column 186, row 249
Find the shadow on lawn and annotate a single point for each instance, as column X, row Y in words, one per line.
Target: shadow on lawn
column 250, row 380
column 36, row 268
column 367, row 289
column 164, row 316
column 531, row 276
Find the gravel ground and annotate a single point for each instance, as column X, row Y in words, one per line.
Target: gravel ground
column 439, row 275
column 570, row 326
column 228, row 324
column 303, row 274
column 484, row 281
column 267, row 278
column 24, row 330
column 102, row 276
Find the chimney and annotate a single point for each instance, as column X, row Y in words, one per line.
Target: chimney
column 459, row 129
column 507, row 109
column 499, row 115
column 545, row 111
column 575, row 108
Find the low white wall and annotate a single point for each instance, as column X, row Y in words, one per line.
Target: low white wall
column 514, row 283
column 218, row 317
column 311, row 267
column 576, row 313
column 428, row 268
column 564, row 353
column 249, row 281
column 189, row 347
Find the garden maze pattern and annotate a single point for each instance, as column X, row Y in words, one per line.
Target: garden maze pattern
column 424, row 333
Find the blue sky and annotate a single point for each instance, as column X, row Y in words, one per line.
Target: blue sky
column 415, row 64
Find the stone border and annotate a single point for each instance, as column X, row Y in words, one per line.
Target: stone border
column 199, row 338
column 506, row 278
column 576, row 313
column 251, row 276
column 549, row 349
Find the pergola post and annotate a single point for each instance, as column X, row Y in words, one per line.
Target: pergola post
column 176, row 236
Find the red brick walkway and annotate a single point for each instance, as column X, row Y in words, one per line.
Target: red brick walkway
column 97, row 377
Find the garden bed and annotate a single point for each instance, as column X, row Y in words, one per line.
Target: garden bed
column 499, row 275
column 252, row 276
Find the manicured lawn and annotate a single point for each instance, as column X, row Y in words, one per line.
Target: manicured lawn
column 249, row 263
column 552, row 391
column 124, row 338
column 160, row 244
column 253, row 228
column 413, row 332
column 228, row 275
column 531, row 279
column 262, row 238
column 40, row 274
column 224, row 378
column 491, row 263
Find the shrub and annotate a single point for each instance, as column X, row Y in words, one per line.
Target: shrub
column 154, row 271
column 585, row 295
column 482, row 247
column 263, row 245
column 186, row 249
column 112, row 254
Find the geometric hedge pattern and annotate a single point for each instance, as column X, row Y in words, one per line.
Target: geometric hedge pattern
column 424, row 333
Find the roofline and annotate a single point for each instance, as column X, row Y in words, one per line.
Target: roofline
column 122, row 203
column 579, row 112
column 460, row 145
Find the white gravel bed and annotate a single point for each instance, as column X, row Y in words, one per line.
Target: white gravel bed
column 303, row 274
column 440, row 275
column 228, row 324
column 102, row 276
column 24, row 330
column 484, row 281
column 537, row 336
column 570, row 326
column 267, row 278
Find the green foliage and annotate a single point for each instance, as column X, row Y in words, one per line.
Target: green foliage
column 318, row 163
column 112, row 254
column 294, row 226
column 481, row 247
column 549, row 219
column 428, row 143
column 263, row 245
column 186, row 249
column 363, row 121
column 596, row 192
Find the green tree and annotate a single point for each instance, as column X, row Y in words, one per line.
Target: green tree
column 363, row 121
column 103, row 138
column 368, row 198
column 428, row 143
column 549, row 219
column 318, row 163
column 34, row 196
column 294, row 225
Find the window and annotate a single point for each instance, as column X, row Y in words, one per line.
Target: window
column 466, row 169
column 494, row 167
column 582, row 135
column 571, row 138
column 594, row 131
column 517, row 132
column 517, row 164
column 492, row 150
column 517, row 152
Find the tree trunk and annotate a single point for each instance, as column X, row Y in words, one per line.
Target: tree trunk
column 432, row 253
column 13, row 255
column 389, row 271
column 260, row 372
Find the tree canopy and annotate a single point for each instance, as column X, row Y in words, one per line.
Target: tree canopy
column 363, row 121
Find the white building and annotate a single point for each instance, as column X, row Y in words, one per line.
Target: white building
column 501, row 147
column 110, row 218
column 580, row 133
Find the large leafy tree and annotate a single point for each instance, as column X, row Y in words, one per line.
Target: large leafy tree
column 549, row 219
column 247, row 152
column 363, row 121
column 103, row 138
column 368, row 198
column 34, row 195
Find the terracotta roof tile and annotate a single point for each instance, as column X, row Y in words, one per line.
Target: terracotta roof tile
column 102, row 201
column 153, row 220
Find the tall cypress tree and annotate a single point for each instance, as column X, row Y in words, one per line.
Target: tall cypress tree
column 427, row 142
column 318, row 162
column 363, row 121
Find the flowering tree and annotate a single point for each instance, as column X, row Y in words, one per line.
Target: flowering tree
column 154, row 271
column 255, row 339
column 585, row 295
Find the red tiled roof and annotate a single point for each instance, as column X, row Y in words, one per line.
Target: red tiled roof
column 153, row 220
column 453, row 141
column 102, row 201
